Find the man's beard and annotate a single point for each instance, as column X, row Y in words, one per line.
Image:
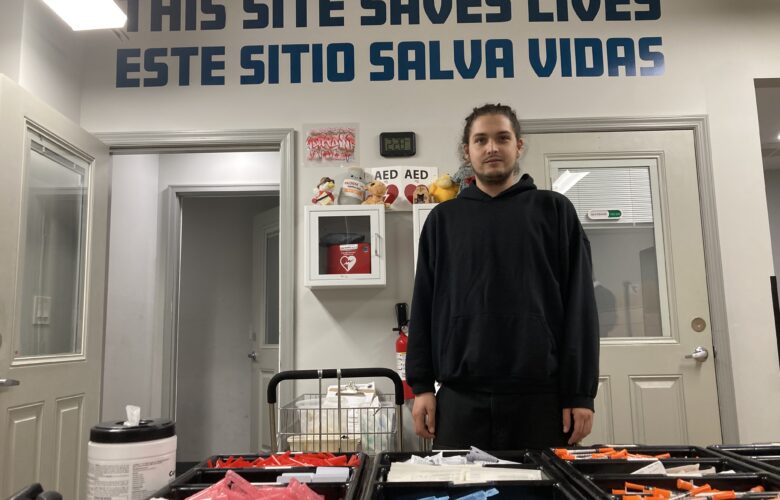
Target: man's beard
column 498, row 178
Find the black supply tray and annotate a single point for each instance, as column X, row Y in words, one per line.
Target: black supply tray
column 591, row 466
column 622, row 466
column 577, row 472
column 201, row 477
column 554, row 487
column 763, row 456
column 506, row 491
column 674, row 451
column 601, row 486
column 251, row 458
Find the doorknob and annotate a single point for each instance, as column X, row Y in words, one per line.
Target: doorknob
column 8, row 382
column 252, row 355
column 700, row 354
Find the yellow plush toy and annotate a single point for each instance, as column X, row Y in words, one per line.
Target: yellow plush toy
column 443, row 189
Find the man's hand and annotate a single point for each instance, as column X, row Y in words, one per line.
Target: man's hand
column 583, row 422
column 424, row 415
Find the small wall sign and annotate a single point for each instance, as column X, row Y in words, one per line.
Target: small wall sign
column 401, row 182
column 602, row 214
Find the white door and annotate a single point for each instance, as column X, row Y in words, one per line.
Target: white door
column 53, row 242
column 265, row 321
column 639, row 204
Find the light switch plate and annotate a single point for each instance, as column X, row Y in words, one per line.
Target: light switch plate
column 41, row 310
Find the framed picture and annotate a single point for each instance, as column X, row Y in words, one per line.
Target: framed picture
column 331, row 144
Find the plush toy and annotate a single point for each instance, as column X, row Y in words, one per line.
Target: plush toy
column 375, row 193
column 464, row 177
column 443, row 189
column 421, row 195
column 353, row 189
column 323, row 193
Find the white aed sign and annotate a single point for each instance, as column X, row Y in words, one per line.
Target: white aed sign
column 401, row 183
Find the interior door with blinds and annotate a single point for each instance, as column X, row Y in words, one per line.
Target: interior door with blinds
column 53, row 245
column 636, row 195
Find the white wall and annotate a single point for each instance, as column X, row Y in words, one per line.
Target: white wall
column 133, row 346
column 42, row 54
column 222, row 169
column 130, row 309
column 714, row 49
column 11, row 38
column 215, row 320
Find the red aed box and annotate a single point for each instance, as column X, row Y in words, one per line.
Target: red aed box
column 353, row 258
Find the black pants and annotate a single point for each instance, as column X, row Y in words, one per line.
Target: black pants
column 496, row 422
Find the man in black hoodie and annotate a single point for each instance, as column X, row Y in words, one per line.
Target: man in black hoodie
column 503, row 312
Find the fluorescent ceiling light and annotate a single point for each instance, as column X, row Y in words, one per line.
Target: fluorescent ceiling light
column 567, row 180
column 89, row 14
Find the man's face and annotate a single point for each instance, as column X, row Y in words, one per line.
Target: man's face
column 493, row 149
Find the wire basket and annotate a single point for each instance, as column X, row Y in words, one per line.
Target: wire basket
column 306, row 424
column 314, row 423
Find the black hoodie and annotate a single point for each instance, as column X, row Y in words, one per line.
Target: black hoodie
column 503, row 297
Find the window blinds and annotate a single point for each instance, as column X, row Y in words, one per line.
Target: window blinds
column 614, row 188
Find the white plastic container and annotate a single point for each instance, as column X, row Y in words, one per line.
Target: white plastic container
column 129, row 463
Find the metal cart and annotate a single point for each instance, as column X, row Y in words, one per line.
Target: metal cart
column 316, row 423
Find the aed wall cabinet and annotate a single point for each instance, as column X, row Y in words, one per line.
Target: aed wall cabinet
column 345, row 246
column 419, row 214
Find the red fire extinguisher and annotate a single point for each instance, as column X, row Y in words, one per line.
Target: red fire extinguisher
column 400, row 346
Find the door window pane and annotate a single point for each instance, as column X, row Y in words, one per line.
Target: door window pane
column 345, row 244
column 272, row 289
column 618, row 209
column 52, row 252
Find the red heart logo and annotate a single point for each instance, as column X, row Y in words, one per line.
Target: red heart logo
column 409, row 192
column 391, row 194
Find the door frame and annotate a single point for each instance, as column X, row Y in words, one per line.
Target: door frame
column 172, row 220
column 281, row 140
column 699, row 126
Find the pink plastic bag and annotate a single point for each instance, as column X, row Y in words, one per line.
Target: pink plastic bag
column 232, row 487
column 294, row 491
column 235, row 487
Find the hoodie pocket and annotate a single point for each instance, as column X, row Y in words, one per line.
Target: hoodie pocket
column 499, row 346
